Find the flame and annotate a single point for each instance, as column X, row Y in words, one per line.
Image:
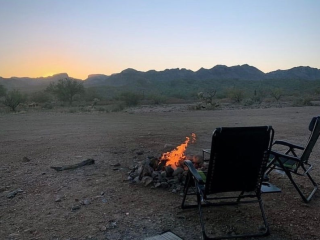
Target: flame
column 177, row 154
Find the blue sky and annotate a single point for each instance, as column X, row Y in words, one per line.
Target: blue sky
column 44, row 37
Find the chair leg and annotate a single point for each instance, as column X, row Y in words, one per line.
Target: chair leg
column 315, row 186
column 267, row 232
column 187, row 185
column 206, row 237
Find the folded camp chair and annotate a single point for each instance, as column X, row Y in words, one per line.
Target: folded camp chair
column 290, row 162
column 238, row 159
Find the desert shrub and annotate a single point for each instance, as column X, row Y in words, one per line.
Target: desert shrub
column 157, row 99
column 48, row 105
column 302, row 102
column 72, row 110
column 66, row 90
column 91, row 94
column 248, row 102
column 130, row 98
column 3, row 91
column 13, row 99
column 276, row 93
column 236, row 94
column 40, row 97
column 207, row 97
column 117, row 108
column 197, row 106
column 221, row 95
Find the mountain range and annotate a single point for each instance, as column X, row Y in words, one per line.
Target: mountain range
column 129, row 76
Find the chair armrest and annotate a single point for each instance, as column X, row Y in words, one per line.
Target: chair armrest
column 193, row 171
column 289, row 157
column 290, row 145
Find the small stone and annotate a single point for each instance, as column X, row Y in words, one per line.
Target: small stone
column 75, row 208
column 14, row 235
column 25, row 159
column 115, row 164
column 113, row 224
column 136, row 179
column 14, row 193
column 57, row 199
column 147, row 180
column 169, row 171
column 168, row 147
column 164, row 185
column 173, row 181
column 177, row 171
column 86, row 202
column 30, row 230
column 157, row 185
column 140, row 152
column 103, row 228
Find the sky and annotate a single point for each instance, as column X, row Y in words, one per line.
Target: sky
column 40, row 38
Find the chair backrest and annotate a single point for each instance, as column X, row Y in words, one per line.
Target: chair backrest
column 314, row 127
column 238, row 159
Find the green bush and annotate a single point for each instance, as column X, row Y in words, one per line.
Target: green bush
column 157, row 99
column 117, row 108
column 13, row 99
column 236, row 94
column 130, row 98
column 40, row 97
column 302, row 102
column 48, row 106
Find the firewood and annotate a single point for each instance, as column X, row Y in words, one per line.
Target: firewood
column 73, row 166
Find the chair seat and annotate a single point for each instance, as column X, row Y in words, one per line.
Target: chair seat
column 266, row 187
column 288, row 163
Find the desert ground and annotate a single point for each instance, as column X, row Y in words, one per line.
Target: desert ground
column 98, row 202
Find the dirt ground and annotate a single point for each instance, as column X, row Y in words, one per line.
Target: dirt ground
column 97, row 201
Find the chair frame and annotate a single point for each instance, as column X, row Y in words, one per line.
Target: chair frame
column 203, row 192
column 302, row 166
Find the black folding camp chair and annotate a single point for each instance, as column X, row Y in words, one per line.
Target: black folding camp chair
column 237, row 163
column 293, row 163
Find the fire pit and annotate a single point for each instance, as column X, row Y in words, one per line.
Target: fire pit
column 167, row 171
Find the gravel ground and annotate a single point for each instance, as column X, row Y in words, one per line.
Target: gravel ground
column 97, row 201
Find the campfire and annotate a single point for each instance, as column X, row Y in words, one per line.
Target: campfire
column 166, row 171
column 177, row 155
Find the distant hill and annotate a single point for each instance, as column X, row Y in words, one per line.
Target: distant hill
column 221, row 72
column 131, row 77
column 244, row 72
column 30, row 84
column 297, row 73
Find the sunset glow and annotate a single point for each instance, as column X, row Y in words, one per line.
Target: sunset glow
column 48, row 75
column 42, row 38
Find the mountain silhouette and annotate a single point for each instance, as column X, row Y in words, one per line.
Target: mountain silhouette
column 131, row 76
